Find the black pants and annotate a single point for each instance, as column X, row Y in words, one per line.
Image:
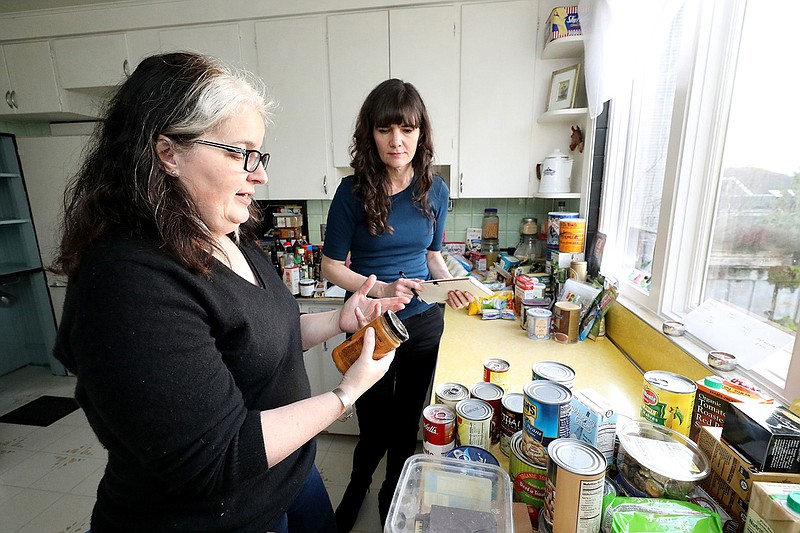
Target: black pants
column 389, row 412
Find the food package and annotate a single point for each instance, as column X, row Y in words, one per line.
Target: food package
column 499, row 301
column 562, row 22
column 594, row 421
column 710, row 403
column 766, row 434
column 774, row 508
column 652, row 515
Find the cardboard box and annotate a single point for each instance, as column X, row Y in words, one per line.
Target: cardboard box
column 710, row 403
column 594, row 421
column 771, row 511
column 563, row 21
column 564, row 259
column 766, row 434
column 733, row 469
column 733, row 503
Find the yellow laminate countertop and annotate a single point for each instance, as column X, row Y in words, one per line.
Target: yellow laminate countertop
column 468, row 341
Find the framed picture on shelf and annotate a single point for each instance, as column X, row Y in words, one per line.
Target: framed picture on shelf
column 563, row 88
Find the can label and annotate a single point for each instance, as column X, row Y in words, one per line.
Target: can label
column 554, row 229
column 492, row 394
column 545, row 417
column 439, row 423
column 435, row 449
column 473, row 422
column 496, row 371
column 528, row 479
column 510, row 419
column 538, row 323
column 571, row 235
column 566, row 321
column 668, row 400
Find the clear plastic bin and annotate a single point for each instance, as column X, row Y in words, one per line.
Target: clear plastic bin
column 440, row 491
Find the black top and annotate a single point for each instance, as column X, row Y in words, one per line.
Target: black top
column 173, row 369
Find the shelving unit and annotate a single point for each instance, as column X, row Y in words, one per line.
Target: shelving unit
column 565, row 47
column 27, row 322
column 563, row 115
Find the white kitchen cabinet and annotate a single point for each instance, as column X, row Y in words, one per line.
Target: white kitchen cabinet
column 291, row 61
column 322, row 373
column 92, row 62
column 498, row 52
column 358, row 57
column 31, row 88
column 221, row 41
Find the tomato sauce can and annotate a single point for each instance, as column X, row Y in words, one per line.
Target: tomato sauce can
column 496, row 371
column 554, row 371
column 451, row 393
column 668, row 400
column 439, row 424
column 527, row 478
column 545, row 417
column 491, row 393
column 510, row 419
column 473, row 423
column 575, row 485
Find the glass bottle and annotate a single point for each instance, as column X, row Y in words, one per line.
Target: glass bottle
column 490, row 227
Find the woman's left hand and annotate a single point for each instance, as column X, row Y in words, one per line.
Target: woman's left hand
column 359, row 310
column 459, row 299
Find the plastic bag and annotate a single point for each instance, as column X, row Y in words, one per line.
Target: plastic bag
column 652, row 515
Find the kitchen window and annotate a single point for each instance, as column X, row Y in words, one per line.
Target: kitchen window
column 700, row 201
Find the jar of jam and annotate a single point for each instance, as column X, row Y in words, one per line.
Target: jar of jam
column 389, row 334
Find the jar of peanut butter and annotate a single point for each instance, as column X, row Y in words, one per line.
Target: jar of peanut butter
column 389, row 334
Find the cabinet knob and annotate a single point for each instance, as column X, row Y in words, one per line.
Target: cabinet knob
column 126, row 69
column 461, row 182
column 325, row 184
column 8, row 100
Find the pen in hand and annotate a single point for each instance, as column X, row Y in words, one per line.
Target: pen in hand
column 413, row 291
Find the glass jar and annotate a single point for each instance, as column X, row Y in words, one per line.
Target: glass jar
column 389, row 334
column 490, row 227
column 491, row 249
column 529, row 226
column 526, row 249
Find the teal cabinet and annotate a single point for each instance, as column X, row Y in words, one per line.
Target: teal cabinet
column 27, row 322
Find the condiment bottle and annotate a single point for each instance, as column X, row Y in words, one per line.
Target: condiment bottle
column 389, row 334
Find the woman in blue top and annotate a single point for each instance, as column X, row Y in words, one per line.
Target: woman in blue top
column 389, row 216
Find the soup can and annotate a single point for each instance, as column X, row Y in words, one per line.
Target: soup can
column 571, row 235
column 545, row 417
column 537, row 324
column 496, row 371
column 451, row 393
column 575, row 484
column 554, row 229
column 439, row 425
column 668, row 400
column 473, row 423
column 554, row 371
column 527, row 478
column 565, row 322
column 491, row 393
column 510, row 419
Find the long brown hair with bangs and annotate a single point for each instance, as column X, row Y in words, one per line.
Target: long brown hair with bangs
column 391, row 102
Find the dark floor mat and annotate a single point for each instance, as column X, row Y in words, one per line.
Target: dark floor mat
column 42, row 411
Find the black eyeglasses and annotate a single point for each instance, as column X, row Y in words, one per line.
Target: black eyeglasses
column 251, row 157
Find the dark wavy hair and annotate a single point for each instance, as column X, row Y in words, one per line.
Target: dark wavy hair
column 391, row 102
column 122, row 187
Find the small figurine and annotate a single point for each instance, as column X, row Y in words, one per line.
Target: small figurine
column 577, row 139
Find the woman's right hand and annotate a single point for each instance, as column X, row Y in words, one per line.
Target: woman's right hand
column 365, row 371
column 402, row 287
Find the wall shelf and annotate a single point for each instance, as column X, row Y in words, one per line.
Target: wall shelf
column 557, row 195
column 564, row 47
column 563, row 115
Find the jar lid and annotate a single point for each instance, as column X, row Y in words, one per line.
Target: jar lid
column 396, row 325
column 793, row 501
column 713, row 382
column 490, row 210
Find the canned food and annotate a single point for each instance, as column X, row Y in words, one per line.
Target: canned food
column 668, row 400
column 571, row 235
column 545, row 417
column 439, row 424
column 451, row 393
column 496, row 371
column 566, row 319
column 553, row 371
column 537, row 324
column 473, row 454
column 528, row 479
column 491, row 393
column 473, row 423
column 510, row 419
column 575, row 483
column 554, row 229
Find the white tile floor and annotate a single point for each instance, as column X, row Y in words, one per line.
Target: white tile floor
column 49, row 475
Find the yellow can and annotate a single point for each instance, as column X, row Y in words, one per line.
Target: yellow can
column 571, row 235
column 668, row 400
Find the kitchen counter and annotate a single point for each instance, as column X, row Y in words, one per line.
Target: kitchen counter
column 468, row 341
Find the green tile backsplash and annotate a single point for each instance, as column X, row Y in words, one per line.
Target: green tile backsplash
column 467, row 212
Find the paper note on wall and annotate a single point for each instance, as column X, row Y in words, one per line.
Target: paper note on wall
column 729, row 330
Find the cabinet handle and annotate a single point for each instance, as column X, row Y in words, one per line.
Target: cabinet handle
column 461, row 182
column 126, row 68
column 8, row 99
column 13, row 100
column 325, row 184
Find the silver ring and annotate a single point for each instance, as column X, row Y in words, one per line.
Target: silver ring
column 721, row 361
column 673, row 328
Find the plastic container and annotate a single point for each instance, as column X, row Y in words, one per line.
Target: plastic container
column 389, row 334
column 444, row 491
column 657, row 462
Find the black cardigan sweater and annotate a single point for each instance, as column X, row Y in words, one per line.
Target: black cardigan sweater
column 173, row 369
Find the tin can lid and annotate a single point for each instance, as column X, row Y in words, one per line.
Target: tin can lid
column 546, row 391
column 577, row 457
column 538, row 312
column 669, row 381
column 438, row 412
column 514, row 402
column 396, row 326
column 486, row 390
column 452, row 391
column 554, row 371
column 497, row 365
column 474, row 409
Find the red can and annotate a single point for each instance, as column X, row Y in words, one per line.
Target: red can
column 440, row 424
column 496, row 371
column 491, row 393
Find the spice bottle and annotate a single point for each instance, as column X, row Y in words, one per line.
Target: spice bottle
column 389, row 334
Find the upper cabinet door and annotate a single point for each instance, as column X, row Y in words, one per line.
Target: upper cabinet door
column 291, row 61
column 424, row 52
column 498, row 52
column 358, row 55
column 6, row 108
column 222, row 42
column 92, row 62
column 33, row 77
